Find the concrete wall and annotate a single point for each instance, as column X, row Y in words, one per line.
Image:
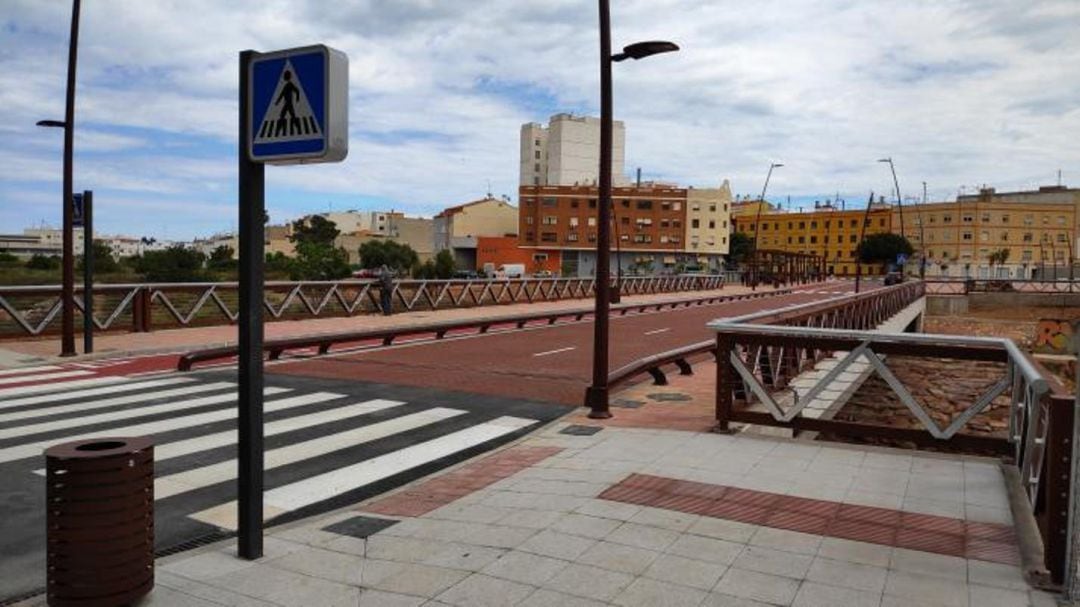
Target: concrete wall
column 960, row 304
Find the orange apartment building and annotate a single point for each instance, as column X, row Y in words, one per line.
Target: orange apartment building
column 654, row 225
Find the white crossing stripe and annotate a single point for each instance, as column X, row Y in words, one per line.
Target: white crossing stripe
column 281, row 426
column 54, row 387
column 43, row 377
column 167, row 425
column 327, row 485
column 190, row 480
column 110, row 402
column 80, row 394
column 86, row 420
column 549, row 352
column 656, row 331
column 21, row 370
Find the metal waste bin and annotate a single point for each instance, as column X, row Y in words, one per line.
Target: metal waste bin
column 100, row 521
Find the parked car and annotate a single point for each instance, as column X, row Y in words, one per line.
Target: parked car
column 465, row 275
column 543, row 274
column 366, row 273
column 894, row 278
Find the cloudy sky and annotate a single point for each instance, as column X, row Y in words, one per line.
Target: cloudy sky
column 958, row 93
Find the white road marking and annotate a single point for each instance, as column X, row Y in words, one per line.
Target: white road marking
column 21, row 370
column 123, row 387
column 44, row 376
column 168, row 407
column 555, row 351
column 167, row 425
column 324, row 486
column 55, row 387
column 190, row 480
column 655, row 331
column 109, row 402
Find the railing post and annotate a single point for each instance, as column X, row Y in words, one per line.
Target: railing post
column 725, row 379
column 1058, row 479
column 140, row 310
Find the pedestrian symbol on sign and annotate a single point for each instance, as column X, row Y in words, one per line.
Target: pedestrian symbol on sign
column 289, row 117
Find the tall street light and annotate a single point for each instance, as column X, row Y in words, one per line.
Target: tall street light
column 900, row 204
column 67, row 296
column 596, row 396
column 757, row 220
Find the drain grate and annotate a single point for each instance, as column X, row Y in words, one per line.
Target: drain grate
column 360, row 526
column 580, row 430
column 627, row 403
column 669, row 397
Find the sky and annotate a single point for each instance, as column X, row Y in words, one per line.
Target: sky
column 958, row 93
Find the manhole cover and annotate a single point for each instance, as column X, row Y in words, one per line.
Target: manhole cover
column 627, row 403
column 360, row 526
column 669, row 397
column 580, row 430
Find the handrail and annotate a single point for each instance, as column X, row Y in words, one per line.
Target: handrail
column 325, row 341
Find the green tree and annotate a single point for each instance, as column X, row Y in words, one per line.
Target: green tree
column 444, row 264
column 104, row 262
column 998, row 257
column 316, row 256
column 883, row 248
column 174, row 264
column 278, row 265
column 7, row 259
column 740, row 248
column 221, row 259
column 425, row 270
column 43, row 262
column 377, row 253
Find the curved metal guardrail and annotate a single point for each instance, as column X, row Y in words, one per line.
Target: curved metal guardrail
column 439, row 330
column 33, row 310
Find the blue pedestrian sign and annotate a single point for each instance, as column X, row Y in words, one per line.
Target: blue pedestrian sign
column 298, row 109
column 901, row 259
column 77, row 215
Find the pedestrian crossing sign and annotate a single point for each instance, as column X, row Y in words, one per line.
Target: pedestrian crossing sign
column 298, row 106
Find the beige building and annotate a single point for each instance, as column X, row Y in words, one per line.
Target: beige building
column 457, row 228
column 567, row 151
column 1038, row 229
column 708, row 214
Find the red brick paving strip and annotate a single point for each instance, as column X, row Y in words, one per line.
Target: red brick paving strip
column 440, row 491
column 925, row 532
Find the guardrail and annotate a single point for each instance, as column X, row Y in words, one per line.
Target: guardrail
column 963, row 286
column 33, row 310
column 438, row 330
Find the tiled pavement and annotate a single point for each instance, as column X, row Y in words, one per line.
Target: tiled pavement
column 535, row 532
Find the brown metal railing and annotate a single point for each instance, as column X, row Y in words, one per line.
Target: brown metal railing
column 34, row 310
column 963, row 286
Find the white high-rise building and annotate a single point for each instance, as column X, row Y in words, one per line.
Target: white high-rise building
column 567, row 151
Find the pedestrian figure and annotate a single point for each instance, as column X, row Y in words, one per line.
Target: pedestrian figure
column 386, row 290
column 289, row 95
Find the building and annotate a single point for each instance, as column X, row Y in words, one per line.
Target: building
column 416, row 232
column 39, row 241
column 827, row 232
column 495, row 251
column 750, row 207
column 652, row 226
column 1038, row 229
column 351, row 222
column 567, row 151
column 457, row 228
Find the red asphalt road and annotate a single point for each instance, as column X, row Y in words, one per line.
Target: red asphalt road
column 550, row 363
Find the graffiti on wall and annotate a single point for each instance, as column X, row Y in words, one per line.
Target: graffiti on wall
column 1055, row 336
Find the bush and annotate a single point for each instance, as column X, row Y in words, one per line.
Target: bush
column 42, row 262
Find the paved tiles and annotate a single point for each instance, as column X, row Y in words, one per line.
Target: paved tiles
column 602, row 552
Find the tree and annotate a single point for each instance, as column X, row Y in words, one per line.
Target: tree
column 998, row 257
column 174, row 264
column 377, row 253
column 43, row 262
column 221, row 259
column 742, row 244
column 316, row 256
column 278, row 265
column 883, row 248
column 444, row 264
column 7, row 259
column 104, row 262
column 426, row 270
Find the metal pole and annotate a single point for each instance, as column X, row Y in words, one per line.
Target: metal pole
column 858, row 249
column 757, row 224
column 67, row 319
column 88, row 272
column 596, row 396
column 899, row 201
column 252, row 205
column 616, row 295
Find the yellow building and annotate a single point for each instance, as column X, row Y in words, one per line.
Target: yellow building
column 827, row 232
column 960, row 237
column 750, row 207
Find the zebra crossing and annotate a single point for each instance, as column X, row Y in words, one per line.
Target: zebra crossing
column 325, row 439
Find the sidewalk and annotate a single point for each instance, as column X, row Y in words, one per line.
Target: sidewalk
column 642, row 517
column 25, row 351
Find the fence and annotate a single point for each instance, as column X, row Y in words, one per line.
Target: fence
column 961, row 286
column 35, row 310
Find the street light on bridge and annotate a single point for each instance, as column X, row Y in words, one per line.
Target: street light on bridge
column 757, row 223
column 596, row 396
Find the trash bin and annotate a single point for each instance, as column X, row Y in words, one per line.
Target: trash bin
column 100, row 521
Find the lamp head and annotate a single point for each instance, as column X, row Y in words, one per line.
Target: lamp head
column 52, row 123
column 641, row 50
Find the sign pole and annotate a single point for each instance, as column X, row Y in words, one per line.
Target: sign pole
column 251, row 189
column 88, row 271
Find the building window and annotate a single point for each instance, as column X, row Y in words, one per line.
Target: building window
column 1061, row 220
column 676, row 206
column 1004, row 237
column 881, row 223
column 644, row 205
column 1028, row 219
column 1027, row 237
column 665, row 223
column 592, row 237
column 984, row 236
column 986, row 217
column 813, row 225
column 802, row 240
column 538, row 154
column 571, row 237
column 536, row 181
column 548, row 237
column 625, row 203
column 536, row 167
column 537, row 142
column 574, row 204
column 550, row 220
column 764, row 227
column 968, row 218
column 1062, row 238
column 625, row 220
column 853, row 238
column 1026, row 256
column 550, row 202
column 854, row 223
column 665, row 206
column 813, row 240
column 663, row 239
column 528, row 220
column 967, row 236
column 695, row 207
column 591, row 222
column 712, row 224
column 946, row 219
column 529, row 235
column 540, row 257
column 802, row 225
column 712, row 208
column 592, row 203
column 696, row 223
column 1004, row 219
column 574, row 222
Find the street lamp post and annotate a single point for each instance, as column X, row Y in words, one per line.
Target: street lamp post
column 67, row 294
column 596, row 396
column 757, row 223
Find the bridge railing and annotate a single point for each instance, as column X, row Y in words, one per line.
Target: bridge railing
column 35, row 310
column 963, row 286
